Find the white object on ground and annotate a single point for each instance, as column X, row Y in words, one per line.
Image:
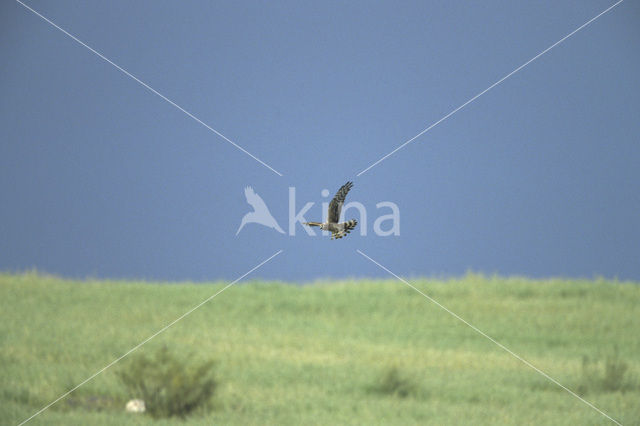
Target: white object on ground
column 135, row 406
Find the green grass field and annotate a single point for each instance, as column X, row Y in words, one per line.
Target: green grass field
column 313, row 354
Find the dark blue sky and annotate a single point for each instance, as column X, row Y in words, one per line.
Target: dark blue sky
column 538, row 177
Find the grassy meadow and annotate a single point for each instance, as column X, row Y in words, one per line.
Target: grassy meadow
column 338, row 352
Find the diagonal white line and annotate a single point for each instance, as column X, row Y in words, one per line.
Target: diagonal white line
column 151, row 89
column 500, row 345
column 150, row 337
column 491, row 87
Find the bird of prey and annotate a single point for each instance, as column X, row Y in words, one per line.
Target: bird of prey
column 338, row 230
column 260, row 213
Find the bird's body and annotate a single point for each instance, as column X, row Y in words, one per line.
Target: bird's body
column 337, row 229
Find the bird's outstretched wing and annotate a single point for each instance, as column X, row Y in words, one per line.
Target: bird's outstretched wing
column 255, row 200
column 335, row 207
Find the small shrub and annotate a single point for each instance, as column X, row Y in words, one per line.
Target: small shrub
column 169, row 386
column 394, row 382
column 609, row 376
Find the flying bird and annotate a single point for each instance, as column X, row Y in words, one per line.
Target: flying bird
column 338, row 230
column 260, row 213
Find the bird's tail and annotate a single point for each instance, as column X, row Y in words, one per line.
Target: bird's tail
column 348, row 226
column 312, row 223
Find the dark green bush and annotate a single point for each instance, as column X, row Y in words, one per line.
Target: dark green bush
column 393, row 382
column 608, row 376
column 169, row 386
